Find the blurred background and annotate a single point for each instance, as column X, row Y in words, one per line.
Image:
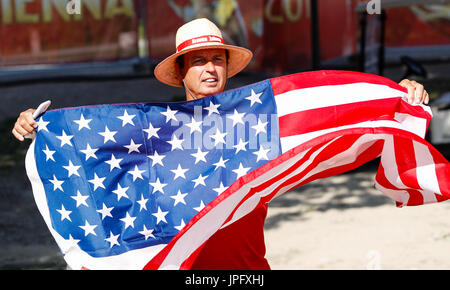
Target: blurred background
column 104, row 51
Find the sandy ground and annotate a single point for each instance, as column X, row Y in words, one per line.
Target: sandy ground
column 344, row 223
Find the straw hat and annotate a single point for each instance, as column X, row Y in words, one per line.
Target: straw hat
column 195, row 35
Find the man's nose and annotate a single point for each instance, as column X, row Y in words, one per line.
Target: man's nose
column 210, row 67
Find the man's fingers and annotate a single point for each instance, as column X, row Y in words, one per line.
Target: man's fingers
column 17, row 135
column 19, row 129
column 26, row 126
column 427, row 98
column 416, row 92
column 30, row 120
column 419, row 92
column 411, row 93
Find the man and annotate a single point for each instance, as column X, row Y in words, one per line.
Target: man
column 202, row 64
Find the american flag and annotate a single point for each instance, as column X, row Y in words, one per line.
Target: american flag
column 143, row 186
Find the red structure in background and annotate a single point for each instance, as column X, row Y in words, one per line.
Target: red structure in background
column 279, row 32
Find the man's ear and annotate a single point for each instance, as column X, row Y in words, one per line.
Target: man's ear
column 179, row 67
column 179, row 72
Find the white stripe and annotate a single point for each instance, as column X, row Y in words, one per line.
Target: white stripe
column 426, row 169
column 326, row 96
column 413, row 124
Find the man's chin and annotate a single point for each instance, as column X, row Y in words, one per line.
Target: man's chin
column 210, row 91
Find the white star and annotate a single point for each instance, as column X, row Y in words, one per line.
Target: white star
column 254, row 98
column 72, row 169
column 241, row 171
column 113, row 162
column 57, row 184
column 261, row 154
column 158, row 186
column 137, row 173
column 121, row 192
column 65, row 139
column 128, row 220
column 81, row 199
column 48, row 153
column 126, row 119
column 194, row 125
column 179, row 172
column 199, row 156
column 151, row 131
column 113, row 239
column 212, row 108
column 142, row 202
column 260, row 127
column 64, row 213
column 240, row 146
column 236, row 117
column 156, row 158
column 170, row 114
column 179, row 197
column 133, row 147
column 83, row 123
column 200, row 180
column 160, row 215
column 220, row 163
column 108, row 135
column 181, row 226
column 90, row 152
column 200, row 207
column 88, row 229
column 220, row 189
column 147, row 233
column 218, row 137
column 97, row 182
column 42, row 125
column 176, row 143
column 105, row 211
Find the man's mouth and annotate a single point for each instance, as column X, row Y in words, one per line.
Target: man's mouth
column 210, row 80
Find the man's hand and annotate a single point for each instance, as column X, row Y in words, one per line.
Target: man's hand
column 25, row 124
column 416, row 92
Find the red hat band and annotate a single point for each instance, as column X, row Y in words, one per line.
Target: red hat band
column 201, row 39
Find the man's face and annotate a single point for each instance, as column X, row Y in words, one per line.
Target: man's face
column 205, row 72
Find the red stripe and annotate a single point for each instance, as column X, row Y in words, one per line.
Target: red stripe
column 346, row 114
column 326, row 78
column 406, row 161
column 201, row 39
column 335, row 116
